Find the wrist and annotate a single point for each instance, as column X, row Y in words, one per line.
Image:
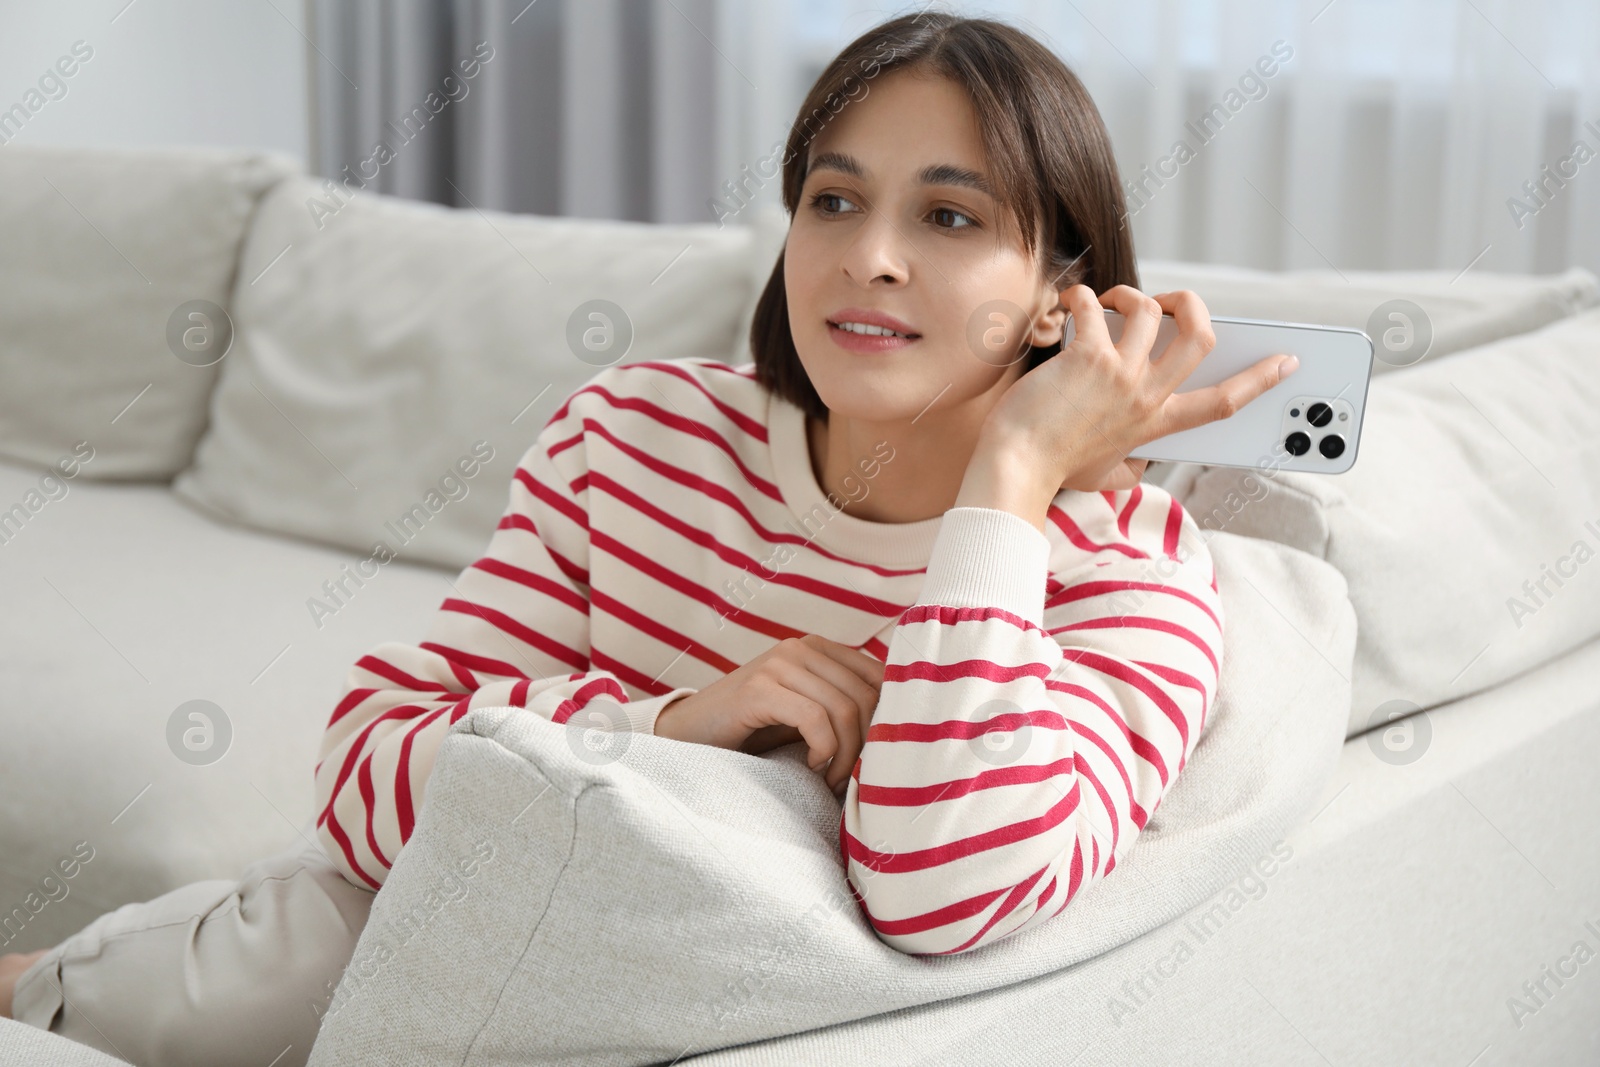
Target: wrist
column 1005, row 478
column 666, row 724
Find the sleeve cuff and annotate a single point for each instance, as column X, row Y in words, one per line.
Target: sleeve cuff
column 642, row 714
column 988, row 558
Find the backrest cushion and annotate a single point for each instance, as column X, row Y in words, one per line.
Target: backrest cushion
column 395, row 358
column 105, row 257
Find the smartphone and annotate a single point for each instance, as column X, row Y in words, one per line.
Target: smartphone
column 1310, row 421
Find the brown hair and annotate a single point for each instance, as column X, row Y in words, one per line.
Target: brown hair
column 1046, row 144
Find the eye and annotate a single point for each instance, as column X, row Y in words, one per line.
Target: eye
column 949, row 211
column 818, row 198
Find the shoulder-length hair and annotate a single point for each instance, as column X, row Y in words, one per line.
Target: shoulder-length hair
column 1048, row 152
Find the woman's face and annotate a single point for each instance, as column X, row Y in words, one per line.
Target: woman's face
column 890, row 221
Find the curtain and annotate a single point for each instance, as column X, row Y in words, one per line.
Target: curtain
column 598, row 108
column 1342, row 134
column 1399, row 134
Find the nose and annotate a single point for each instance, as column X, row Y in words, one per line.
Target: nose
column 879, row 250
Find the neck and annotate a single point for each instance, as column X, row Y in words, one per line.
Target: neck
column 898, row 471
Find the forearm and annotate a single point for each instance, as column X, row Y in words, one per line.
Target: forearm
column 1001, row 478
column 1022, row 740
column 951, row 822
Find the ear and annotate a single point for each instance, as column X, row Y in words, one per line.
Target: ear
column 1049, row 317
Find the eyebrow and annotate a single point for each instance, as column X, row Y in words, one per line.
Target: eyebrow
column 934, row 174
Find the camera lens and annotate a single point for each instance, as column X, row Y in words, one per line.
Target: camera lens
column 1319, row 414
column 1331, row 446
column 1297, row 444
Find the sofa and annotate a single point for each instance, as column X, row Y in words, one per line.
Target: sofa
column 234, row 410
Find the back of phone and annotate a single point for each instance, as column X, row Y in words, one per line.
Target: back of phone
column 1310, row 421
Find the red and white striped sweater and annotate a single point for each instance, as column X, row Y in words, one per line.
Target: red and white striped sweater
column 1041, row 692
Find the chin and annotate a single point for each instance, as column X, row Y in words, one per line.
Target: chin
column 868, row 393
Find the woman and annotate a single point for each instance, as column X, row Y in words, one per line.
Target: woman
column 907, row 535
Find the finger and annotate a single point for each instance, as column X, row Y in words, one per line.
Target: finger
column 1195, row 338
column 860, row 677
column 842, row 709
column 791, row 708
column 1088, row 319
column 1141, row 318
column 865, row 667
column 865, row 698
column 1185, row 411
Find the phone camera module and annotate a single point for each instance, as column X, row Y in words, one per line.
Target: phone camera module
column 1316, row 432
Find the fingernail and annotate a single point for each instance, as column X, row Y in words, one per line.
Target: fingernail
column 1287, row 365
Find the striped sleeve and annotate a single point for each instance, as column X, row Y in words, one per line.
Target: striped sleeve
column 1033, row 713
column 513, row 631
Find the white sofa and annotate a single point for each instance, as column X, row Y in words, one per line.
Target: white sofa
column 211, row 538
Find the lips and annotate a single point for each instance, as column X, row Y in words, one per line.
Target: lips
column 867, row 343
column 868, row 317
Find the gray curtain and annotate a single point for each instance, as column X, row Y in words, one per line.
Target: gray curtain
column 1434, row 154
column 590, row 108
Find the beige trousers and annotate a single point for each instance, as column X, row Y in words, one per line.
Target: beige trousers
column 213, row 973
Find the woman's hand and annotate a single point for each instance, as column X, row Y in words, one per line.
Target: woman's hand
column 1072, row 420
column 803, row 688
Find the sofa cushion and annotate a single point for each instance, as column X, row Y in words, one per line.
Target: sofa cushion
column 104, row 256
column 639, row 898
column 1468, row 527
column 122, row 604
column 21, row 1043
column 1458, row 311
column 396, row 358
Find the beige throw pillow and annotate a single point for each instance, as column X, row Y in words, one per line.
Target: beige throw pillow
column 396, row 358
